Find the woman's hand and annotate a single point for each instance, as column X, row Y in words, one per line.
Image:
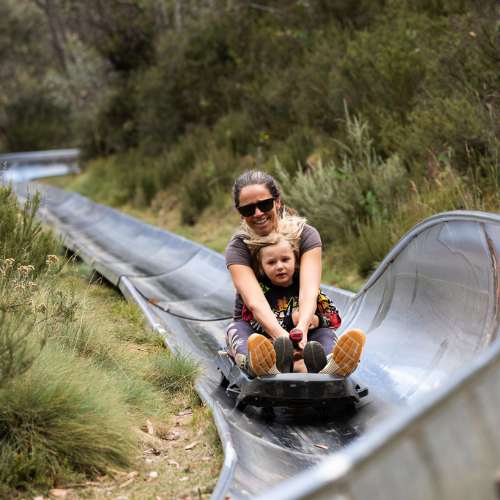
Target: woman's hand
column 295, row 318
column 310, row 277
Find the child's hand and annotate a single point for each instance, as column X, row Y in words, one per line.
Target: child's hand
column 314, row 322
column 302, row 343
column 295, row 318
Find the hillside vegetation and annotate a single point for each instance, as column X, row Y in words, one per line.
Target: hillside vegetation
column 373, row 114
column 89, row 399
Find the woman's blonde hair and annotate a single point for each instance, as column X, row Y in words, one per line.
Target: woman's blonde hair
column 288, row 228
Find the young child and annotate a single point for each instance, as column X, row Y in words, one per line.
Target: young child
column 275, row 259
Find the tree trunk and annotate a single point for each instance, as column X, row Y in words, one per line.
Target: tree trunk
column 179, row 21
column 161, row 15
column 56, row 30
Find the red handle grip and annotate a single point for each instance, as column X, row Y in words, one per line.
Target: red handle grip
column 296, row 335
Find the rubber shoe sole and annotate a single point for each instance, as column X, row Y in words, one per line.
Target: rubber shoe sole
column 314, row 357
column 261, row 355
column 346, row 354
column 283, row 348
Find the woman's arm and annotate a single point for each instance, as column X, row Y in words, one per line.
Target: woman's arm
column 310, row 278
column 246, row 283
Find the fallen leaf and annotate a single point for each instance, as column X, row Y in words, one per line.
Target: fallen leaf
column 148, row 479
column 471, row 33
column 132, row 474
column 206, row 459
column 185, row 478
column 172, row 436
column 126, row 483
column 173, row 462
column 227, row 497
column 153, row 301
column 150, row 427
column 187, row 411
column 192, row 445
column 321, row 446
column 57, row 492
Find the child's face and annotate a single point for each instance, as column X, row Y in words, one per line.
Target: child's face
column 278, row 263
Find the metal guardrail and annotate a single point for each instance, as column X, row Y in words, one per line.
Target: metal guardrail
column 18, row 167
column 69, row 156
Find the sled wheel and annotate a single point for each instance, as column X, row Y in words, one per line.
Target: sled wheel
column 241, row 406
column 268, row 412
column 223, row 380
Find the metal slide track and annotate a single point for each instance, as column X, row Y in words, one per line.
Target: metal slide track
column 19, row 167
column 429, row 312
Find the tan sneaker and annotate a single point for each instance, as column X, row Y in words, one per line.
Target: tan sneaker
column 261, row 355
column 346, row 354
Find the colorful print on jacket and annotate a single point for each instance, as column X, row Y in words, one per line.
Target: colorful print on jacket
column 284, row 301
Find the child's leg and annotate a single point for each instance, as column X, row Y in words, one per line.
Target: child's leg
column 237, row 335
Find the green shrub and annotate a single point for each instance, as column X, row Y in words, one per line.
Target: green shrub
column 205, row 182
column 63, row 414
column 440, row 125
column 35, row 121
column 369, row 244
column 335, row 198
column 175, row 164
column 236, row 131
column 21, row 235
column 382, row 70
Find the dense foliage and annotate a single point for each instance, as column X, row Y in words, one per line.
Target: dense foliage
column 187, row 94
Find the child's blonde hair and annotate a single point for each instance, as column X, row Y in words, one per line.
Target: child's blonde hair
column 289, row 229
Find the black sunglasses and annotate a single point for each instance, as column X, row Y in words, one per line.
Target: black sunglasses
column 263, row 206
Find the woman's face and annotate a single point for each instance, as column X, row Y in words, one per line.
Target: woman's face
column 260, row 222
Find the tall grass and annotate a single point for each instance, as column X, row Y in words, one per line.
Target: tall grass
column 73, row 388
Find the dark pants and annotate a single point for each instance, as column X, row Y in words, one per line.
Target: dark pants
column 237, row 334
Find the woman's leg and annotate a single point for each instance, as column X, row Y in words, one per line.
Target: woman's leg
column 237, row 335
column 325, row 336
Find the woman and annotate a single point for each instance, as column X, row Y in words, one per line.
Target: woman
column 257, row 197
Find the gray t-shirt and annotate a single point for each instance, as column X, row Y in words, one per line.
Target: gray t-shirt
column 237, row 252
